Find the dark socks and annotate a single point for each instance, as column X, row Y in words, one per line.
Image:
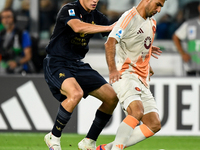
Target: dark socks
column 100, row 121
column 62, row 118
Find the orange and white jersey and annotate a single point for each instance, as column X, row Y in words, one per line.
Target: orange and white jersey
column 135, row 36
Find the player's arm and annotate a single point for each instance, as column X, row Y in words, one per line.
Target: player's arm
column 81, row 27
column 114, row 74
column 177, row 42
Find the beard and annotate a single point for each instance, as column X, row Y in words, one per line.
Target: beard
column 148, row 14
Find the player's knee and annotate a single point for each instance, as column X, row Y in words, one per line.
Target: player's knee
column 137, row 113
column 112, row 102
column 109, row 105
column 155, row 126
column 76, row 95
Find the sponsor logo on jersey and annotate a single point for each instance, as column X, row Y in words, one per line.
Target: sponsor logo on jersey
column 119, row 33
column 71, row 12
column 140, row 31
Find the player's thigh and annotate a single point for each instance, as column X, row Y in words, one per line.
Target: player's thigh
column 106, row 94
column 71, row 89
column 128, row 88
column 60, row 78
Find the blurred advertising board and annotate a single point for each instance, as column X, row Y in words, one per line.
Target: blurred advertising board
column 27, row 105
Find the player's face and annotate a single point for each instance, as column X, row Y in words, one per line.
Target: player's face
column 7, row 19
column 153, row 7
column 89, row 5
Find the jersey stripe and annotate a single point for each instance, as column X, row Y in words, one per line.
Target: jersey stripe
column 128, row 18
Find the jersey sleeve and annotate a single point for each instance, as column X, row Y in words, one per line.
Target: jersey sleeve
column 67, row 13
column 26, row 40
column 181, row 32
column 122, row 26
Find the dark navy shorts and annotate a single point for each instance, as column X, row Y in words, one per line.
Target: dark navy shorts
column 56, row 70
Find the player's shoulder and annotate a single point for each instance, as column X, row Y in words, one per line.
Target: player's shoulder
column 130, row 14
column 153, row 19
column 131, row 11
column 68, row 6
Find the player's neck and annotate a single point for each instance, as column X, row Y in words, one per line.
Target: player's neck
column 140, row 9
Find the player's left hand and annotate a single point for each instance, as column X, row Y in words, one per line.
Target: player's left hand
column 155, row 50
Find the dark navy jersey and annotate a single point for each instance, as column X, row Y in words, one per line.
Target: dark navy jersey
column 64, row 42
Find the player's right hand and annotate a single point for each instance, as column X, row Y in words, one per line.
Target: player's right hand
column 112, row 26
column 114, row 76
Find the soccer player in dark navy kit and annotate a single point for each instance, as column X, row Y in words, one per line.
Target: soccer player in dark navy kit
column 70, row 79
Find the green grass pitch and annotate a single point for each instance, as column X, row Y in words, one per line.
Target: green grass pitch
column 34, row 141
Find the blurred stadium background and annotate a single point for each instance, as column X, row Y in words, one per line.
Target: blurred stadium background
column 28, row 109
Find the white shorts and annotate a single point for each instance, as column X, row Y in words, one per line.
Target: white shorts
column 129, row 89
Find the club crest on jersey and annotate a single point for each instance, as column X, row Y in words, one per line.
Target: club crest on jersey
column 71, row 12
column 119, row 33
column 147, row 42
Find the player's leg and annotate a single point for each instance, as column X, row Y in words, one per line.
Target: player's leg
column 71, row 89
column 107, row 95
column 151, row 122
column 135, row 112
column 151, row 125
column 65, row 89
column 128, row 90
column 142, row 94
